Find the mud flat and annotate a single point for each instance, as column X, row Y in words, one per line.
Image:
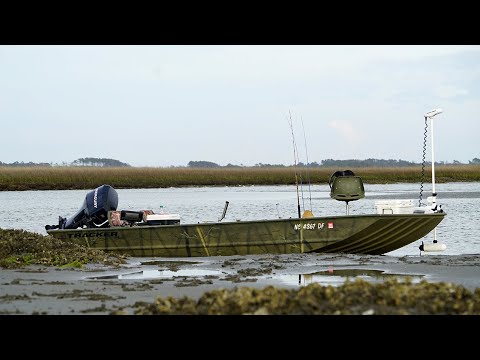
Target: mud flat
column 260, row 284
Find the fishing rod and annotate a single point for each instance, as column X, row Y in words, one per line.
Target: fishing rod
column 308, row 172
column 300, row 176
column 295, row 163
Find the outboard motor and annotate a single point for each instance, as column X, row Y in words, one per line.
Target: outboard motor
column 93, row 212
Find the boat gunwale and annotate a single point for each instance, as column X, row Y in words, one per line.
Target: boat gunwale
column 246, row 222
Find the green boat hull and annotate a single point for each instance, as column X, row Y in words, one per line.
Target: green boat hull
column 357, row 234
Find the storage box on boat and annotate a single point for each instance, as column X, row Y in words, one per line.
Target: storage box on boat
column 394, row 206
column 163, row 219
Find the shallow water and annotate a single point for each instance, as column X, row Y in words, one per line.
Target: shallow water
column 32, row 210
column 156, row 274
column 338, row 277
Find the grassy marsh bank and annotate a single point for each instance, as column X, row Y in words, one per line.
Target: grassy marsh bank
column 70, row 178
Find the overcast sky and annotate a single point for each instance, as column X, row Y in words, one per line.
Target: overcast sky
column 166, row 105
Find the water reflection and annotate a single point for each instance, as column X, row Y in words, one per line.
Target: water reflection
column 338, row 277
column 156, row 274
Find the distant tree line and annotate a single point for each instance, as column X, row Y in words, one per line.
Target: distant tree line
column 19, row 164
column 376, row 163
column 367, row 163
column 103, row 162
column 99, row 162
column 202, row 164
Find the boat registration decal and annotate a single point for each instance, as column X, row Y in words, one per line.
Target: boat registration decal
column 330, row 225
column 309, row 226
column 94, row 234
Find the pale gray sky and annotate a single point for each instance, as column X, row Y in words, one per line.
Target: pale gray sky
column 164, row 105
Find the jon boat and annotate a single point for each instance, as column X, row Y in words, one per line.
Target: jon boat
column 395, row 224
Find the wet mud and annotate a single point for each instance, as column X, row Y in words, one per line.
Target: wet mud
column 35, row 280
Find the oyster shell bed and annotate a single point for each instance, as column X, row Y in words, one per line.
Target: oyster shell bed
column 358, row 297
column 19, row 248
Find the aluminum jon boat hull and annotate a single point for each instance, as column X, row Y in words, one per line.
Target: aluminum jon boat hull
column 355, row 234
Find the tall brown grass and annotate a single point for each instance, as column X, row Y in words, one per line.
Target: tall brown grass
column 63, row 178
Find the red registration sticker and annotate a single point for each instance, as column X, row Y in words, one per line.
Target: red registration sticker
column 330, row 225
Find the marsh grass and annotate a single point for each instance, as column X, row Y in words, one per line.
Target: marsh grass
column 69, row 178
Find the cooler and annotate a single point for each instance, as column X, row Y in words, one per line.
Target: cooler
column 394, row 206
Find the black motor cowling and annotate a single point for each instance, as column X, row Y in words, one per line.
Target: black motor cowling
column 94, row 211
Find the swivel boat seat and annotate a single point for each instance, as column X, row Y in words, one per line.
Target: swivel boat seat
column 345, row 186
